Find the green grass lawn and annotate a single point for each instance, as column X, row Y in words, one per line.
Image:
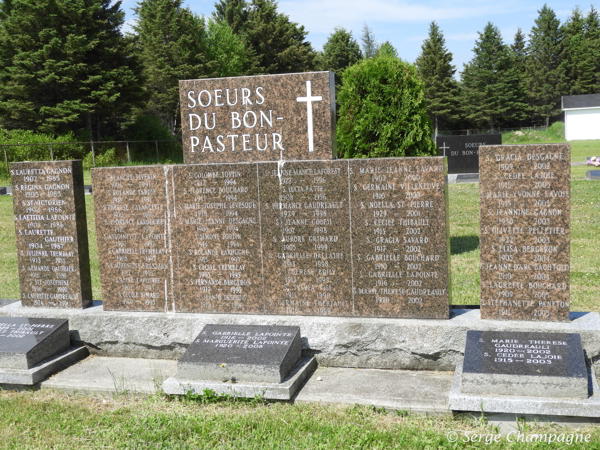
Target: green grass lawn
column 40, row 420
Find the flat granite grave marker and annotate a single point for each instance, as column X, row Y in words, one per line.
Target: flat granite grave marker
column 258, row 118
column 33, row 348
column 243, row 360
column 463, row 151
column 592, row 175
column 524, row 364
column 134, row 237
column 525, row 218
column 52, row 240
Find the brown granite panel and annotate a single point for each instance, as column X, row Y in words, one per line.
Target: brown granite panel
column 133, row 229
column 400, row 238
column 217, row 238
column 258, row 118
column 306, row 238
column 525, row 216
column 51, row 228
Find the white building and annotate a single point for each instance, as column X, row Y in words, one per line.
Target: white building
column 582, row 116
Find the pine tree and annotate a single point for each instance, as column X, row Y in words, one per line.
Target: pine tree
column 369, row 43
column 434, row 65
column 492, row 92
column 519, row 49
column 278, row 45
column 65, row 66
column 387, row 49
column 340, row 51
column 543, row 71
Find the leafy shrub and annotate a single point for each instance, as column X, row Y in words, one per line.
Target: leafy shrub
column 555, row 133
column 107, row 159
column 38, row 152
column 383, row 111
column 149, row 128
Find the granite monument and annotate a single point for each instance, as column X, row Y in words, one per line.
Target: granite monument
column 463, row 151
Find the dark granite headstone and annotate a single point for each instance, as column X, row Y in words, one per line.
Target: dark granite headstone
column 463, row 151
column 241, row 353
column 529, row 364
column 52, row 240
column 25, row 342
column 134, row 237
column 525, row 216
column 258, row 118
column 593, row 175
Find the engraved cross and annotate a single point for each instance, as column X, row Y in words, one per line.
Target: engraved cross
column 444, row 148
column 309, row 99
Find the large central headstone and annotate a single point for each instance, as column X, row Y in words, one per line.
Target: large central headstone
column 525, row 216
column 52, row 240
column 258, row 118
column 365, row 238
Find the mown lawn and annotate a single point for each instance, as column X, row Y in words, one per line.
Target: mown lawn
column 50, row 420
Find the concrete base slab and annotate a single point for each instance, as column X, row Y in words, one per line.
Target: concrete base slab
column 113, row 376
column 374, row 343
column 9, row 378
column 270, row 391
column 420, row 392
column 512, row 404
column 455, row 178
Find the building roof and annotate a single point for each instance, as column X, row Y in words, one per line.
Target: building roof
column 580, row 101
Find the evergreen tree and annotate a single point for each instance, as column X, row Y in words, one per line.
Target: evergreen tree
column 492, row 93
column 387, row 49
column 340, row 51
column 592, row 36
column 519, row 49
column 278, row 45
column 175, row 44
column 543, row 71
column 434, row 65
column 369, row 44
column 64, row 65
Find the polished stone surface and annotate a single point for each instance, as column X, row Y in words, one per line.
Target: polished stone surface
column 51, row 228
column 592, row 175
column 463, row 151
column 258, row 118
column 520, row 363
column 133, row 236
column 525, row 226
column 241, row 353
column 331, row 238
column 24, row 342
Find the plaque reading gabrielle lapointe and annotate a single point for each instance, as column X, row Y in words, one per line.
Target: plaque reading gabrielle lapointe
column 525, row 210
column 258, row 118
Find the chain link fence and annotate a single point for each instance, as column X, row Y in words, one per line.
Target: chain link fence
column 94, row 153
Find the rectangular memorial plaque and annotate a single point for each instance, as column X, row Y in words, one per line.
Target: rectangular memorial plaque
column 134, row 237
column 463, row 151
column 51, row 227
column 332, row 238
column 24, row 342
column 401, row 254
column 530, row 364
column 265, row 117
column 217, row 236
column 241, row 353
column 525, row 215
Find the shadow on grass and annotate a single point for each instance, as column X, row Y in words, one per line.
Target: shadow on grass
column 463, row 244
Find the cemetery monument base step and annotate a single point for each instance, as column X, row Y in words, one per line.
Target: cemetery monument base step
column 250, row 389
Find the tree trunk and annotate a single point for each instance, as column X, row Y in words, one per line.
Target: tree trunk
column 436, row 127
column 89, row 126
column 547, row 122
column 98, row 127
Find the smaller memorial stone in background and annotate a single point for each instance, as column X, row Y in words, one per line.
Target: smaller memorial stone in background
column 524, row 364
column 25, row 342
column 51, row 228
column 525, row 218
column 258, row 118
column 241, row 353
column 463, row 151
column 593, row 175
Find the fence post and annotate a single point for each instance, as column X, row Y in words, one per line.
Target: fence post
column 51, row 152
column 93, row 155
column 157, row 158
column 128, row 155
